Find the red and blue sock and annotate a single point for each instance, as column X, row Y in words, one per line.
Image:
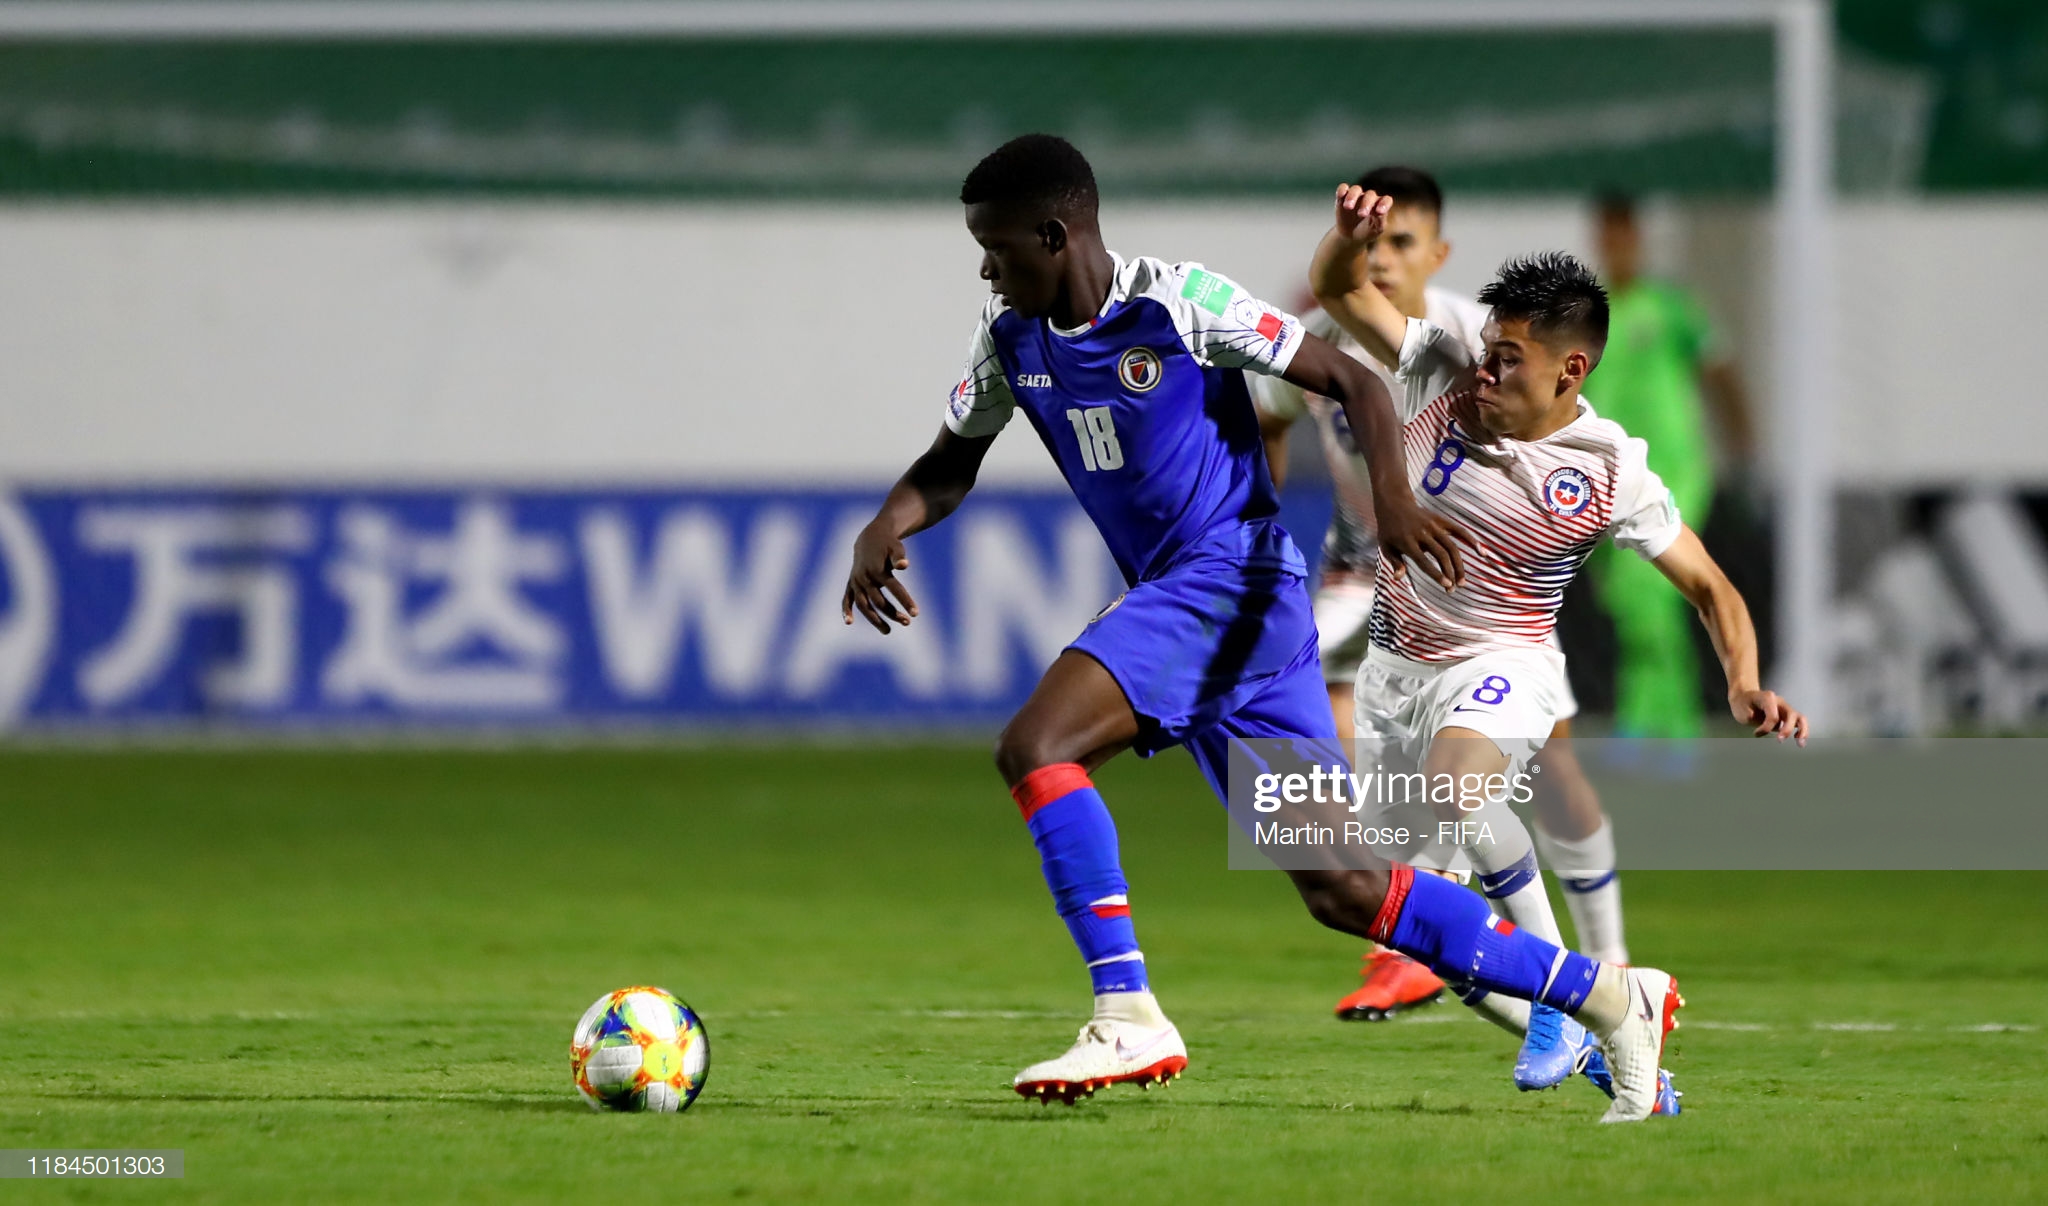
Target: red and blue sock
column 1077, row 841
column 1452, row 930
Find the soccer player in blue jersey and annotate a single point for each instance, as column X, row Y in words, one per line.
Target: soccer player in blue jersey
column 1132, row 374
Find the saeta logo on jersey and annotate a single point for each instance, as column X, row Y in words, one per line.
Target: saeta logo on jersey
column 1139, row 369
column 1567, row 492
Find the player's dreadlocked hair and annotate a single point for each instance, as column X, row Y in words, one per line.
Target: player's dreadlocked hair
column 1039, row 170
column 1558, row 297
column 1409, row 187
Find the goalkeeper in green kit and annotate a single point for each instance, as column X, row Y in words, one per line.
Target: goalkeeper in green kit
column 1660, row 365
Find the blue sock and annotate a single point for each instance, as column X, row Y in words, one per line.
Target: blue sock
column 1077, row 841
column 1452, row 930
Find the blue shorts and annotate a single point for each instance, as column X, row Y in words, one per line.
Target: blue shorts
column 1212, row 652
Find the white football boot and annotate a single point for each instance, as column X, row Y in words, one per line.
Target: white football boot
column 1110, row 1050
column 1636, row 1048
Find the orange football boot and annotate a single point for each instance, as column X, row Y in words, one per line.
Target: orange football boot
column 1393, row 982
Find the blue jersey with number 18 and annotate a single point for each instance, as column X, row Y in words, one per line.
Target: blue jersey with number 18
column 1146, row 412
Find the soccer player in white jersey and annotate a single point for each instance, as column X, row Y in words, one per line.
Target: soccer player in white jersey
column 1571, row 827
column 1467, row 681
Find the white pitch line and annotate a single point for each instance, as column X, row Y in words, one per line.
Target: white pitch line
column 980, row 1014
column 1767, row 1027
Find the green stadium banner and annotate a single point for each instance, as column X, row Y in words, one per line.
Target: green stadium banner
column 1984, row 67
column 876, row 118
column 1948, row 97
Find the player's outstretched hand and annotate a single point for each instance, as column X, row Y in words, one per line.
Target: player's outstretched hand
column 1769, row 715
column 1409, row 533
column 877, row 555
column 1361, row 212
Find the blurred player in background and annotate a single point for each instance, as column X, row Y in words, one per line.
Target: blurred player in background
column 1132, row 374
column 1661, row 365
column 1400, row 264
column 1574, row 833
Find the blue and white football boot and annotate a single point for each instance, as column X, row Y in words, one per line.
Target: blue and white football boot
column 1555, row 1049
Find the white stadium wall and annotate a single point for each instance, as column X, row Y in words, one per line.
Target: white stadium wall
column 540, row 344
column 232, row 344
column 1939, row 319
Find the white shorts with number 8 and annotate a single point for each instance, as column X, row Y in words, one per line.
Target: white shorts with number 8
column 1513, row 697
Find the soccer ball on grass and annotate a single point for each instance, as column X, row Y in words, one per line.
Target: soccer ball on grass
column 640, row 1049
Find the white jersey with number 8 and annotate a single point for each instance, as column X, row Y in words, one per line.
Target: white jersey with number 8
column 1535, row 508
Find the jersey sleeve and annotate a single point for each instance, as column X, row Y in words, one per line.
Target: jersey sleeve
column 1646, row 519
column 1461, row 316
column 1222, row 325
column 981, row 403
column 1279, row 398
column 1432, row 361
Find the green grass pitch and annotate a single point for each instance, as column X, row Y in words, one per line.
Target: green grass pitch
column 352, row 976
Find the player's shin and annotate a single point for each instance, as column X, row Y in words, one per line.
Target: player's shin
column 1504, row 860
column 1454, row 932
column 1509, row 1013
column 1077, row 842
column 1592, row 889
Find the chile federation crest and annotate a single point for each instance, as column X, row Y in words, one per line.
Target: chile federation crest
column 1567, row 492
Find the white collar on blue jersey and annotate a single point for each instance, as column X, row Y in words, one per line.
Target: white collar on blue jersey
column 1117, row 289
